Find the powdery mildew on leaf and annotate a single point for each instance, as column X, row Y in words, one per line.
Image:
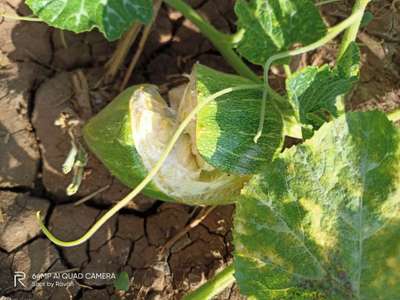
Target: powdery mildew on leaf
column 111, row 17
column 271, row 27
column 226, row 127
column 322, row 222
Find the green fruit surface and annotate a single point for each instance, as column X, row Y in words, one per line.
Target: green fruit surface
column 109, row 137
column 226, row 127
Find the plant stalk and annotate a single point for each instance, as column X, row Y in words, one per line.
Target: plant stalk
column 213, row 286
column 324, row 2
column 124, row 44
column 223, row 42
column 288, row 71
column 350, row 34
column 20, row 18
column 152, row 173
column 142, row 43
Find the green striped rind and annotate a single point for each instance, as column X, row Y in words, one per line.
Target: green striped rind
column 322, row 222
column 109, row 137
column 226, row 127
column 111, row 17
column 271, row 27
column 314, row 90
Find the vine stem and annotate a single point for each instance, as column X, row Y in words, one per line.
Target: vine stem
column 223, row 42
column 351, row 33
column 324, row 2
column 118, row 57
column 350, row 36
column 142, row 43
column 331, row 34
column 20, row 18
column 153, row 172
column 213, row 286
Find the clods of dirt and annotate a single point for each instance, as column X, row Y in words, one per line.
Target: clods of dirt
column 54, row 97
column 18, row 211
column 19, row 158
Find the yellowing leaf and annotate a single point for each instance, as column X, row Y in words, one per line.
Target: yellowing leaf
column 322, row 222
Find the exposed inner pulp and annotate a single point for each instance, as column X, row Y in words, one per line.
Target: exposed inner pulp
column 184, row 174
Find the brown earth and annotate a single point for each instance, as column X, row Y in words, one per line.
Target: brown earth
column 38, row 68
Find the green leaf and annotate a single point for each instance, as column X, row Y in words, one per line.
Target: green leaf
column 111, row 17
column 314, row 90
column 349, row 64
column 322, row 222
column 122, row 282
column 368, row 17
column 226, row 127
column 271, row 27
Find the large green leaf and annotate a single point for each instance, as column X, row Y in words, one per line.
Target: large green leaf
column 226, row 127
column 313, row 90
column 323, row 222
column 274, row 26
column 111, row 17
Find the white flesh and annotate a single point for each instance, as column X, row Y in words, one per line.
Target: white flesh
column 153, row 124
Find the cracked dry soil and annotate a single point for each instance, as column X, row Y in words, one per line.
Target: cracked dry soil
column 38, row 65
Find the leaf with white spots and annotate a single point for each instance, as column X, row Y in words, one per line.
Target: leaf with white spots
column 111, row 17
column 322, row 222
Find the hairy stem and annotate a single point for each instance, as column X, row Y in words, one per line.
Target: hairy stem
column 350, row 34
column 288, row 71
column 331, row 34
column 213, row 286
column 223, row 42
column 153, row 172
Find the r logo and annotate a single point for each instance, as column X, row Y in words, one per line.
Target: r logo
column 18, row 277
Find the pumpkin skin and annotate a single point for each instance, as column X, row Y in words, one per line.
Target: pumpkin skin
column 108, row 135
column 226, row 127
column 129, row 135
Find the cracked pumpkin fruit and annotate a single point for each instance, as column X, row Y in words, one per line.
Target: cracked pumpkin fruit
column 130, row 135
column 132, row 132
